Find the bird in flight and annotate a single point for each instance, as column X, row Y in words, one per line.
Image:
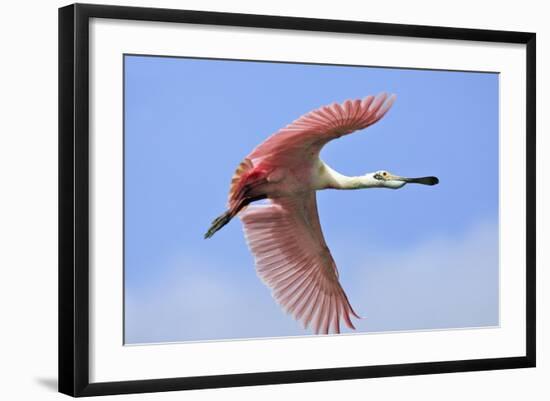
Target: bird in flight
column 284, row 234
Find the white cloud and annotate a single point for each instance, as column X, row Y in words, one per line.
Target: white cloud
column 441, row 283
column 206, row 304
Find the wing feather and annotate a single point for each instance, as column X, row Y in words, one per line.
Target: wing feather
column 293, row 260
column 314, row 129
column 300, row 142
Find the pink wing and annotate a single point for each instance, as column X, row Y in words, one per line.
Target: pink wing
column 293, row 259
column 300, row 142
column 309, row 133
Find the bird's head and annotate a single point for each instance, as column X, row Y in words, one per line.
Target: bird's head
column 386, row 179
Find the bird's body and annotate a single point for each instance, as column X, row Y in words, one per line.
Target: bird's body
column 285, row 235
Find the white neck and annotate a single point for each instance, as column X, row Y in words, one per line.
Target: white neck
column 329, row 178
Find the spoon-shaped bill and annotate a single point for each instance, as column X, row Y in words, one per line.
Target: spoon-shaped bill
column 420, row 180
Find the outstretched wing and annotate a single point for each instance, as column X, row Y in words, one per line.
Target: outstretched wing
column 304, row 138
column 293, row 259
column 300, row 142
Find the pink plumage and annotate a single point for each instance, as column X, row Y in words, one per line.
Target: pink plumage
column 285, row 235
column 293, row 259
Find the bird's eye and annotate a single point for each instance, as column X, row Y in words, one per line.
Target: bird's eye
column 384, row 174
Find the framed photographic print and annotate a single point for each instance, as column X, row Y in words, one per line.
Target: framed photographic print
column 251, row 199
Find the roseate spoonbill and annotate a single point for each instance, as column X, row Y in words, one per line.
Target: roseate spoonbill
column 284, row 235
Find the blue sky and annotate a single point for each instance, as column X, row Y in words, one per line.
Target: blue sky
column 415, row 258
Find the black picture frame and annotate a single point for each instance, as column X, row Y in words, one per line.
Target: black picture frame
column 74, row 197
